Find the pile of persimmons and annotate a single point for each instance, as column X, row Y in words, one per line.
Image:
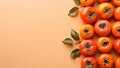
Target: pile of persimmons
column 102, row 27
column 97, row 21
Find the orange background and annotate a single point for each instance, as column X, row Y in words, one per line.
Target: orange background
column 31, row 32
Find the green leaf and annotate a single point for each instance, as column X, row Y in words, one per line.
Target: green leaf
column 75, row 53
column 68, row 41
column 75, row 35
column 77, row 2
column 73, row 11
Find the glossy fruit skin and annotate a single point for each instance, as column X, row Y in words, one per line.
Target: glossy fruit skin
column 89, row 15
column 101, row 1
column 102, row 59
column 104, row 44
column 87, row 31
column 90, row 59
column 116, row 2
column 116, row 46
column 117, row 63
column 105, row 10
column 116, row 29
column 87, row 3
column 117, row 13
column 88, row 47
column 102, row 28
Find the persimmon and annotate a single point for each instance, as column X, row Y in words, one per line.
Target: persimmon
column 87, row 2
column 104, row 44
column 89, row 15
column 116, row 46
column 105, row 61
column 102, row 28
column 117, row 63
column 89, row 62
column 87, row 31
column 105, row 10
column 116, row 2
column 116, row 29
column 88, row 47
column 117, row 13
column 101, row 1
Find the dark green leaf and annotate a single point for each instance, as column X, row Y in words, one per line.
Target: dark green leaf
column 77, row 2
column 75, row 35
column 73, row 11
column 75, row 53
column 68, row 41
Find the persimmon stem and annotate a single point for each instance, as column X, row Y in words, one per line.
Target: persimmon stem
column 105, row 61
column 86, row 31
column 89, row 64
column 87, row 46
column 103, row 25
column 91, row 14
column 77, row 42
column 107, row 11
column 105, row 43
column 118, row 30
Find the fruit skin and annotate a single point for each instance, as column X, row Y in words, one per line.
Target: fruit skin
column 88, row 59
column 116, row 45
column 108, row 58
column 105, row 10
column 116, row 2
column 117, row 63
column 88, row 47
column 87, row 3
column 89, row 15
column 116, row 29
column 87, row 31
column 101, row 1
column 102, row 28
column 104, row 44
column 117, row 13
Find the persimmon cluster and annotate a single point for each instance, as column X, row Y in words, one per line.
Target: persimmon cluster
column 98, row 21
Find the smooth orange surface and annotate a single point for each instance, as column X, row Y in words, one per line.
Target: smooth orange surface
column 31, row 32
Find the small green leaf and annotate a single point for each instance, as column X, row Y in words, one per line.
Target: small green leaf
column 77, row 2
column 68, row 41
column 75, row 35
column 75, row 53
column 73, row 11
